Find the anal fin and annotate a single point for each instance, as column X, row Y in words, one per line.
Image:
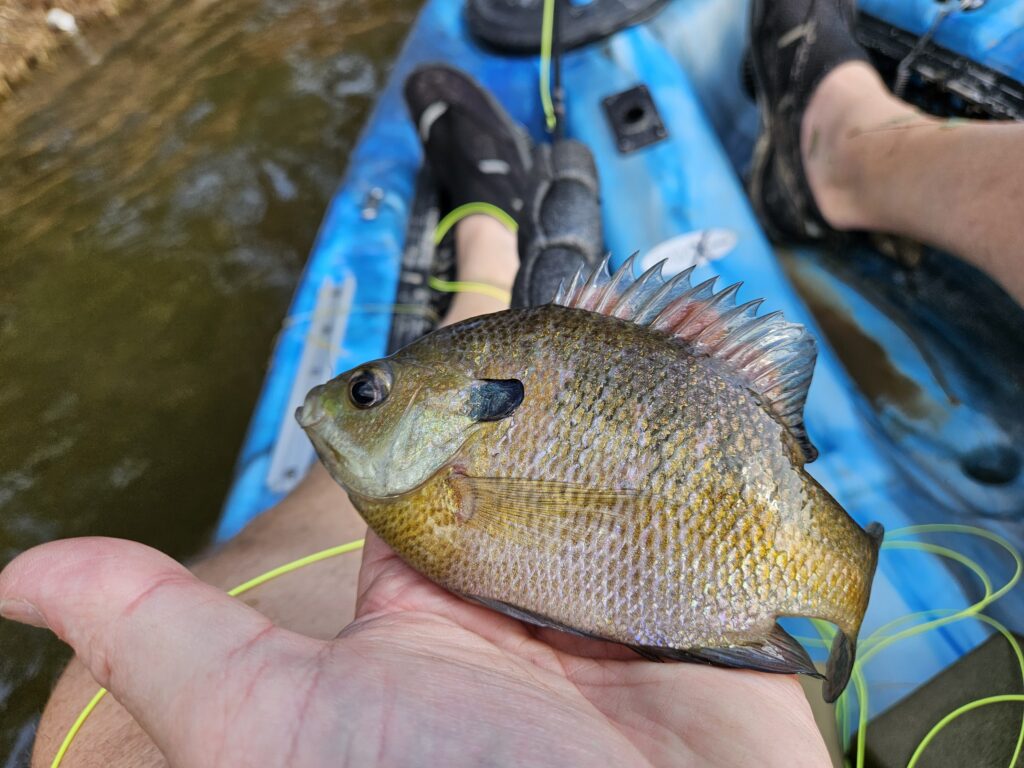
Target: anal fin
column 780, row 653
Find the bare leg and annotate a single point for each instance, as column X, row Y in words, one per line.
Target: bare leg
column 485, row 253
column 318, row 601
column 873, row 162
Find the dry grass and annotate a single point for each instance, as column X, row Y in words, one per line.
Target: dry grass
column 26, row 42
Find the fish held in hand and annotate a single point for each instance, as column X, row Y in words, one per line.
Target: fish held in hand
column 625, row 463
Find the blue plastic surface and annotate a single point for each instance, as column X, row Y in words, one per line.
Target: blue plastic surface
column 992, row 34
column 688, row 56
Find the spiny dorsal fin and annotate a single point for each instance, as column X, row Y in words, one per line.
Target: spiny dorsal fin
column 774, row 358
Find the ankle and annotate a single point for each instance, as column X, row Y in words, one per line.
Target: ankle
column 485, row 252
column 843, row 136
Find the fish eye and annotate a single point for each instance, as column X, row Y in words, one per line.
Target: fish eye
column 369, row 387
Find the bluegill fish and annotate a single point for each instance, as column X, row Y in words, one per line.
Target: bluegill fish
column 625, row 463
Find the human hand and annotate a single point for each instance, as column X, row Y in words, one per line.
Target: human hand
column 419, row 678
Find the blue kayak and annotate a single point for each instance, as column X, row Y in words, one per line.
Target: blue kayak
column 941, row 447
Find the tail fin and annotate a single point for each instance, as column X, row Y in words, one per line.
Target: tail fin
column 844, row 647
column 840, row 666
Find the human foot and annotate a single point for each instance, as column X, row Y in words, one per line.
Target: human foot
column 485, row 253
column 477, row 152
column 794, row 45
column 848, row 111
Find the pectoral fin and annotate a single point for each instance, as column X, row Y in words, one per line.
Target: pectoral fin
column 529, row 511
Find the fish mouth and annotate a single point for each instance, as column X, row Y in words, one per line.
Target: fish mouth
column 311, row 412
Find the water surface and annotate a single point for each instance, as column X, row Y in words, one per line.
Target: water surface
column 155, row 213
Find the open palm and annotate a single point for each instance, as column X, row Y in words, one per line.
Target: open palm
column 419, row 678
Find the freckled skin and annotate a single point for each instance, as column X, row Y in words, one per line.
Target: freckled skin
column 719, row 529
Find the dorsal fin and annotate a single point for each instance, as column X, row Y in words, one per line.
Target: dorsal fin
column 774, row 358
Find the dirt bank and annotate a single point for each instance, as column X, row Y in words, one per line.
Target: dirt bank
column 27, row 40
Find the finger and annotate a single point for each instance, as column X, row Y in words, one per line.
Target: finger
column 382, row 575
column 388, row 585
column 173, row 650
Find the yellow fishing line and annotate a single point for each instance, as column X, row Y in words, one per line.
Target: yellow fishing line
column 547, row 30
column 826, row 631
column 73, row 731
column 465, row 286
column 861, row 689
column 970, row 610
column 882, row 637
column 1015, row 646
column 885, row 636
column 971, row 530
column 876, row 642
column 879, row 634
column 952, row 554
column 955, row 714
column 295, row 565
column 456, row 215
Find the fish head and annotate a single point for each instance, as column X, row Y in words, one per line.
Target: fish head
column 385, row 427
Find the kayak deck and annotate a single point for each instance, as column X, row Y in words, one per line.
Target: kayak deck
column 678, row 197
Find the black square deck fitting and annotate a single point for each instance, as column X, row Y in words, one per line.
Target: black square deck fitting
column 634, row 119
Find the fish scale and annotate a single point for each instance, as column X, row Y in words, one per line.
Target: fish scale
column 636, row 490
column 575, row 436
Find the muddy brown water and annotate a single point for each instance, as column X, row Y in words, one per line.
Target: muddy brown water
column 155, row 213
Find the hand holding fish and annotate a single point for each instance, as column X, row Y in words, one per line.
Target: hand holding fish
column 625, row 465
column 421, row 677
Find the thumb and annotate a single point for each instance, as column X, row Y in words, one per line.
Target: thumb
column 177, row 653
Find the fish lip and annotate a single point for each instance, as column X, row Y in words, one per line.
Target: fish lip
column 308, row 424
column 311, row 412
